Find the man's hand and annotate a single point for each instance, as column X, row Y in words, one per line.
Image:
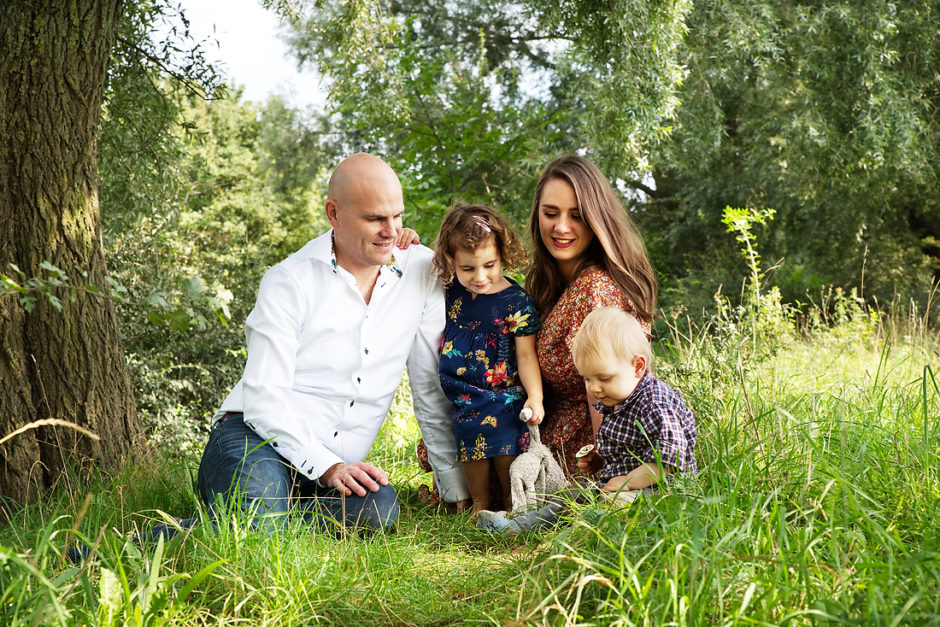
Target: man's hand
column 358, row 477
column 406, row 238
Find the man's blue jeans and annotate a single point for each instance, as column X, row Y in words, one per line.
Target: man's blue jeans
column 239, row 469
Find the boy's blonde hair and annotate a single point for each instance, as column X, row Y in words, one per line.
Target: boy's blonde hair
column 609, row 330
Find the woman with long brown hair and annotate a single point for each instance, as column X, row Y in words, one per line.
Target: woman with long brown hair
column 587, row 253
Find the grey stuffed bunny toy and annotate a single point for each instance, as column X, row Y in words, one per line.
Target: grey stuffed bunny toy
column 533, row 473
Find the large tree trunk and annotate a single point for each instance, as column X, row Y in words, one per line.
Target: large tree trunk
column 66, row 364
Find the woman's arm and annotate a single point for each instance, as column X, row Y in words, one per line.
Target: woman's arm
column 530, row 376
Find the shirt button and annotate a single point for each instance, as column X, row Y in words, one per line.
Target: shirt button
column 351, row 403
column 367, row 351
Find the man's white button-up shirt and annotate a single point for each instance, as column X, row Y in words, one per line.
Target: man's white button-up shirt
column 323, row 365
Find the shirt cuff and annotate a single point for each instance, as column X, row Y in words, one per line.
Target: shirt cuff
column 311, row 459
column 452, row 485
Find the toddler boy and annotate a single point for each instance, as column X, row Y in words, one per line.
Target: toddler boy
column 647, row 432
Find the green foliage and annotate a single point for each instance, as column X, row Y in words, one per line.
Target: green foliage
column 451, row 121
column 826, row 113
column 820, row 472
column 469, row 100
column 819, row 488
column 27, row 595
column 150, row 599
column 841, row 317
column 155, row 66
column 31, row 288
column 247, row 193
column 189, row 313
column 199, row 196
column 34, row 593
column 618, row 72
column 769, row 321
column 740, row 222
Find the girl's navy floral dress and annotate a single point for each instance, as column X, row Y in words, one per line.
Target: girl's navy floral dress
column 479, row 372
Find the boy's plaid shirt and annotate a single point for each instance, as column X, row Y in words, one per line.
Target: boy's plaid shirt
column 653, row 424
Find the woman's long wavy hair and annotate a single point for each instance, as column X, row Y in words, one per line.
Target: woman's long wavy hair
column 617, row 246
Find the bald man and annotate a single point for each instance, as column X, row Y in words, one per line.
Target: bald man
column 333, row 328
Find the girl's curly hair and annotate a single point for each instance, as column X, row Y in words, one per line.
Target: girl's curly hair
column 468, row 227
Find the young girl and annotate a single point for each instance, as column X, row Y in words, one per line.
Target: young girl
column 488, row 348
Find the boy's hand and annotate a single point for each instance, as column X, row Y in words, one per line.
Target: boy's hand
column 643, row 476
column 538, row 412
column 616, row 484
column 406, row 238
column 591, row 463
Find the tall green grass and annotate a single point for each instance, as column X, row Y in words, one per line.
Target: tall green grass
column 817, row 503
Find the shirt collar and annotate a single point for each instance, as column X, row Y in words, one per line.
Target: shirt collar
column 392, row 265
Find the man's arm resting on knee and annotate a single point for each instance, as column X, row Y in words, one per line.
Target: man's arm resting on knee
column 350, row 478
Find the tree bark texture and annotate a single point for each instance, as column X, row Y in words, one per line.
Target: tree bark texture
column 65, row 364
